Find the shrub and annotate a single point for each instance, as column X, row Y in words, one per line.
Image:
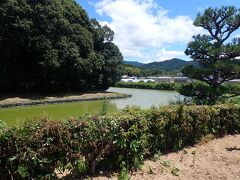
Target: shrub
column 117, row 141
column 202, row 93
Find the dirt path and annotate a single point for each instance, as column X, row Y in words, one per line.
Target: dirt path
column 218, row 159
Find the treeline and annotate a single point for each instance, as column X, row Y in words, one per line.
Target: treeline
column 119, row 141
column 54, row 45
column 148, row 85
column 131, row 70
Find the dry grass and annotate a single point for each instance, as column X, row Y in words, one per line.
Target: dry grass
column 15, row 100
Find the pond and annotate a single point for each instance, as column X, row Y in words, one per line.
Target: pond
column 140, row 97
column 144, row 98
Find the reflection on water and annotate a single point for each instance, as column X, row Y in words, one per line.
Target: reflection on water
column 144, row 98
column 140, row 97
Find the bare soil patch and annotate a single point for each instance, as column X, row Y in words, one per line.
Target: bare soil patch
column 218, row 159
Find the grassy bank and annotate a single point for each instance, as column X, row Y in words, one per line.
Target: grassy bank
column 117, row 142
column 29, row 100
column 149, row 85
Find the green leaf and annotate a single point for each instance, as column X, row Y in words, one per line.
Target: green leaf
column 12, row 158
column 3, row 124
column 23, row 171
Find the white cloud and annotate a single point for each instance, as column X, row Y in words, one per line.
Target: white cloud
column 237, row 36
column 164, row 54
column 140, row 25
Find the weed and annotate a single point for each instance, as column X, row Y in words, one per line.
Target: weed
column 184, row 152
column 194, row 158
column 166, row 164
column 157, row 156
column 124, row 172
column 150, row 171
column 104, row 107
column 175, row 171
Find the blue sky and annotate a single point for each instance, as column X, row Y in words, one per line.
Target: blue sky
column 152, row 30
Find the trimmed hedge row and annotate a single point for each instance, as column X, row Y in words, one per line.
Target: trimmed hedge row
column 93, row 143
column 149, row 85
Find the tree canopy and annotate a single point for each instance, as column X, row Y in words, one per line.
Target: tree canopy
column 54, row 45
column 217, row 55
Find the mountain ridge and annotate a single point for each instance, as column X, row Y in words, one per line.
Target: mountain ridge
column 174, row 64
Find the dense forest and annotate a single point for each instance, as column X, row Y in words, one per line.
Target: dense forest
column 54, row 46
column 131, row 70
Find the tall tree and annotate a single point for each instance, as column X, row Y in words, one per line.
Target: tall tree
column 53, row 45
column 217, row 56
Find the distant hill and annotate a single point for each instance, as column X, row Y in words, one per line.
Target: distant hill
column 135, row 63
column 168, row 65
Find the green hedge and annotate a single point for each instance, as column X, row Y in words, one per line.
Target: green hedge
column 149, row 85
column 110, row 142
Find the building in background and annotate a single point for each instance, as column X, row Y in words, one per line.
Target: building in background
column 157, row 79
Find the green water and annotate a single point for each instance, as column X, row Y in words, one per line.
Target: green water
column 17, row 115
column 140, row 97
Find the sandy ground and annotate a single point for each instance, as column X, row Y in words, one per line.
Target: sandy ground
column 218, row 159
column 19, row 100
